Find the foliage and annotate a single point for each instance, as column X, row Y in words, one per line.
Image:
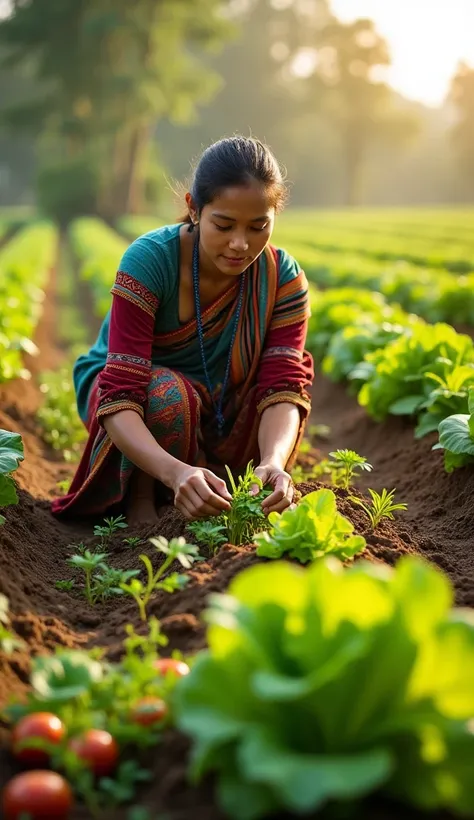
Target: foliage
column 280, row 708
column 399, row 376
column 456, row 438
column 176, row 550
column 381, row 506
column 25, row 265
column 109, row 527
column 209, row 532
column 313, row 529
column 11, row 453
column 58, row 415
column 93, row 103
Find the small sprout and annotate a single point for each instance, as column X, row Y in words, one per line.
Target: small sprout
column 65, row 586
column 211, row 532
column 344, row 464
column 380, row 506
column 107, row 583
column 89, row 562
column 132, row 541
column 111, row 525
column 245, row 517
column 176, row 550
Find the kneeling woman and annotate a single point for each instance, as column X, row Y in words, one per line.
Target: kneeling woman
column 200, row 361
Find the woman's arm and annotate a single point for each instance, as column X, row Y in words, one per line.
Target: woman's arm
column 277, row 433
column 197, row 492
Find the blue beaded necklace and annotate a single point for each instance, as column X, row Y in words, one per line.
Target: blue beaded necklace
column 218, row 409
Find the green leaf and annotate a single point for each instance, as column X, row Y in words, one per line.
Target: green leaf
column 64, row 676
column 406, row 406
column 454, row 435
column 306, row 782
column 8, row 493
column 11, row 451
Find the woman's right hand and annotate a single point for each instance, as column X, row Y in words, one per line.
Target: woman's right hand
column 198, row 493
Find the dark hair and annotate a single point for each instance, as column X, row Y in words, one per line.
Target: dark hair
column 232, row 162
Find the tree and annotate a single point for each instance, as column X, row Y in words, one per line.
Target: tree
column 349, row 59
column 109, row 70
column 462, row 97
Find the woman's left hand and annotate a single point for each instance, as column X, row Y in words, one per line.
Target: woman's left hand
column 283, row 487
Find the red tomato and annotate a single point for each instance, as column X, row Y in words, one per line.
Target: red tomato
column 170, row 666
column 42, row 725
column 37, row 795
column 149, row 711
column 98, row 749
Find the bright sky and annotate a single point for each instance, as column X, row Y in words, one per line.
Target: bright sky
column 427, row 39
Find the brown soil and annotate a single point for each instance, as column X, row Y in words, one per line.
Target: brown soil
column 34, row 546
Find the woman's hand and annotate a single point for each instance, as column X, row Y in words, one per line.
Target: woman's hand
column 283, row 488
column 198, row 493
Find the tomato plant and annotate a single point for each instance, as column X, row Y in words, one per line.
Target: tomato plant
column 43, row 725
column 38, row 795
column 98, row 749
column 149, row 711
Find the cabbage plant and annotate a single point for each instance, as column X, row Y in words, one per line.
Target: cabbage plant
column 328, row 684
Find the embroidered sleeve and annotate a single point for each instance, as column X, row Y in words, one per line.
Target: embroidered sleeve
column 286, row 369
column 124, row 381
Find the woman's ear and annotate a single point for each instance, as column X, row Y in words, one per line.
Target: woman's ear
column 192, row 210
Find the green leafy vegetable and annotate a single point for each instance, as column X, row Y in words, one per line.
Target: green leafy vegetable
column 331, row 683
column 312, row 529
column 11, row 453
column 456, row 438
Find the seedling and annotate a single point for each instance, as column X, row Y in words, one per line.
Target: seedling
column 65, row 586
column 108, row 583
column 133, row 541
column 245, row 516
column 211, row 532
column 319, row 431
column 381, row 506
column 89, row 563
column 176, row 550
column 110, row 526
column 63, row 486
column 344, row 464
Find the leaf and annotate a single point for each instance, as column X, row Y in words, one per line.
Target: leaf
column 306, row 782
column 8, row 493
column 406, row 406
column 11, row 451
column 454, row 435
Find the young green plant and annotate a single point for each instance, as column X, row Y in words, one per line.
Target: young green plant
column 89, row 563
column 110, row 526
column 380, row 506
column 245, row 517
column 210, row 532
column 344, row 464
column 175, row 550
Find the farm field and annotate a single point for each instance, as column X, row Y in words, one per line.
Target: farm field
column 391, row 330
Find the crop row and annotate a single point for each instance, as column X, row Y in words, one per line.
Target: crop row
column 453, row 251
column 395, row 362
column 437, row 295
column 25, row 266
column 98, row 250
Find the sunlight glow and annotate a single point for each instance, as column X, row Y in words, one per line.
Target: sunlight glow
column 427, row 39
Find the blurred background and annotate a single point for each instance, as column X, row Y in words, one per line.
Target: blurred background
column 105, row 103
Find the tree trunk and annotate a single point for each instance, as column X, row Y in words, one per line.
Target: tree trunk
column 135, row 178
column 353, row 162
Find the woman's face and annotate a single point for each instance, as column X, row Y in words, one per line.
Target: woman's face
column 235, row 227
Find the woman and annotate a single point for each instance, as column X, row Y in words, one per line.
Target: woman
column 200, row 361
